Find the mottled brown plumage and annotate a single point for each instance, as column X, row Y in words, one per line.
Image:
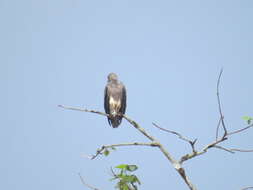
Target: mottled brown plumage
column 114, row 100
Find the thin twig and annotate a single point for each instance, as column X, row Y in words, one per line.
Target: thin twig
column 219, row 105
column 217, row 129
column 204, row 150
column 240, row 150
column 105, row 147
column 223, row 148
column 86, row 184
column 192, row 143
column 240, row 130
column 83, row 110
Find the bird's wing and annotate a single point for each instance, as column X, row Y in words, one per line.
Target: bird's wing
column 106, row 100
column 123, row 100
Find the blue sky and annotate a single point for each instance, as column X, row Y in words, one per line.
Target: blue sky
column 167, row 53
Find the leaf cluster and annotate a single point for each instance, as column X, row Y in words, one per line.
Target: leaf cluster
column 126, row 180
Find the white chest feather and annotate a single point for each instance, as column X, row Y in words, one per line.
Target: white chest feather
column 114, row 106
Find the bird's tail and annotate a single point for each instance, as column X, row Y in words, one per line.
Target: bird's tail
column 115, row 121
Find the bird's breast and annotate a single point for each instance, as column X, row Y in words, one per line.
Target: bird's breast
column 114, row 105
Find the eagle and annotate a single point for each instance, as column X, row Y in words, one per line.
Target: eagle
column 114, row 100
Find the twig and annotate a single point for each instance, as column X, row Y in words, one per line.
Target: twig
column 83, row 110
column 240, row 130
column 204, row 150
column 86, row 184
column 217, row 129
column 219, row 105
column 192, row 143
column 104, row 147
column 222, row 148
column 240, row 150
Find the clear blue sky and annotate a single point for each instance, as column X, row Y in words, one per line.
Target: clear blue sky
column 167, row 53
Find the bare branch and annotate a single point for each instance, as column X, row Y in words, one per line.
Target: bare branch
column 83, row 110
column 86, row 184
column 222, row 148
column 217, row 129
column 137, row 126
column 240, row 130
column 104, row 147
column 219, row 105
column 204, row 150
column 240, row 150
column 192, row 143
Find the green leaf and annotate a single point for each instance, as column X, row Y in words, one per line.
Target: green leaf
column 248, row 119
column 106, row 152
column 122, row 166
column 131, row 168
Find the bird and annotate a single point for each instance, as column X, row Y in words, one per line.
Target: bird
column 114, row 100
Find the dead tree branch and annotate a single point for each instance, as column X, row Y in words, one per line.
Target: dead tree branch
column 154, row 143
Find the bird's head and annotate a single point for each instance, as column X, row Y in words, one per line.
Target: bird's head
column 112, row 77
